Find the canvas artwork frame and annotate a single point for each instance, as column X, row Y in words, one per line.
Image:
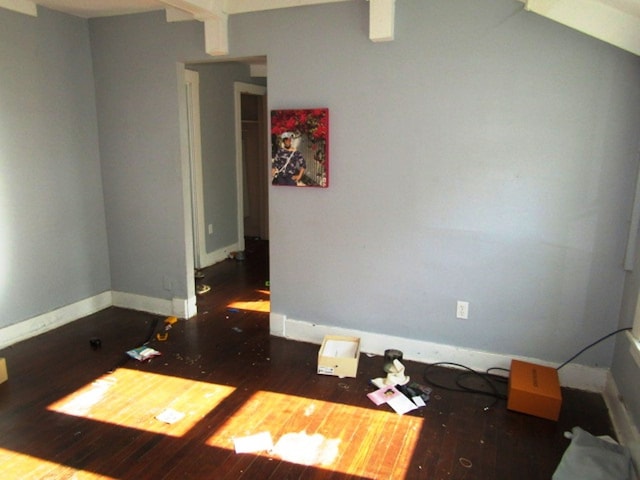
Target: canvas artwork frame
column 300, row 147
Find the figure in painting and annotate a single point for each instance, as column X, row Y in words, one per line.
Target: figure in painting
column 288, row 164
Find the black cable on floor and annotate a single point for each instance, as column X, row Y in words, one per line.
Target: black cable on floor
column 591, row 345
column 489, row 380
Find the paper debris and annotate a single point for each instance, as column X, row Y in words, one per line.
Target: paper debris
column 401, row 404
column 170, row 416
column 394, row 398
column 383, row 395
column 143, row 353
column 418, row 401
column 253, row 443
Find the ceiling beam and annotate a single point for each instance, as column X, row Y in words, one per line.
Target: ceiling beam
column 21, row 6
column 214, row 14
column 216, row 35
column 613, row 22
column 245, row 6
column 211, row 12
column 200, row 9
column 382, row 15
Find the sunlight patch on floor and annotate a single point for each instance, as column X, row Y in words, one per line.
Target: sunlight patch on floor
column 255, row 306
column 133, row 399
column 313, row 432
column 19, row 466
column 305, row 449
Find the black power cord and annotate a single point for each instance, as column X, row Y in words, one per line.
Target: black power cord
column 491, row 380
column 592, row 345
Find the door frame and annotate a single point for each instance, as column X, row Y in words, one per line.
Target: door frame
column 192, row 92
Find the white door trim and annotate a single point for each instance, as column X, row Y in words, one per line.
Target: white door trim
column 192, row 91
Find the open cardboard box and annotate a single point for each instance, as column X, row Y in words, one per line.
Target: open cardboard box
column 339, row 356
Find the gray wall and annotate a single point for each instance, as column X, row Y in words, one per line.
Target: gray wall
column 53, row 244
column 137, row 87
column 487, row 154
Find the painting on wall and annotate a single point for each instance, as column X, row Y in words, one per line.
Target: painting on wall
column 300, row 147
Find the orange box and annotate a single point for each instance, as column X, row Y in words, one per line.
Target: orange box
column 534, row 389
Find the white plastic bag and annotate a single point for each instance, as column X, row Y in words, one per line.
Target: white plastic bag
column 591, row 458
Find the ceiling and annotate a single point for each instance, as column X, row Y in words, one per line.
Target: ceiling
column 101, row 8
column 613, row 21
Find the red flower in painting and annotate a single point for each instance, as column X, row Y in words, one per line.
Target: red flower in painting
column 312, row 122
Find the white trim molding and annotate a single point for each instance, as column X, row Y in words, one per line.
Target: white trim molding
column 572, row 375
column 178, row 307
column 53, row 319
column 211, row 258
column 183, row 308
column 625, row 428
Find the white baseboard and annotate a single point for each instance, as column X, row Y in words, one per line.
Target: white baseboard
column 574, row 376
column 182, row 308
column 53, row 319
column 185, row 308
column 626, row 430
column 219, row 255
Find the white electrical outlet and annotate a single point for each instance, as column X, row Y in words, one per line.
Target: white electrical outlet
column 462, row 310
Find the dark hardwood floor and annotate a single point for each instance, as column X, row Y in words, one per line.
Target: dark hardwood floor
column 70, row 411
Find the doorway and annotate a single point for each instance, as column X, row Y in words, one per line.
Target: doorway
column 226, row 150
column 253, row 153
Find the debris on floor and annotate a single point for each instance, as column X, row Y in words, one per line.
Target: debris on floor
column 168, row 324
column 395, row 375
column 170, row 416
column 239, row 255
column 394, row 398
column 188, row 360
column 589, row 458
column 396, row 390
column 202, row 289
column 143, row 353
